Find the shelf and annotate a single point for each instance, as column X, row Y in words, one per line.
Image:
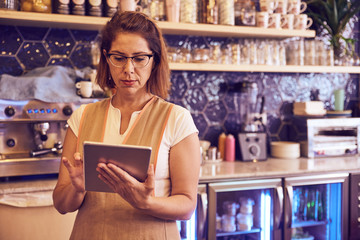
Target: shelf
column 225, row 234
column 262, row 68
column 8, row 17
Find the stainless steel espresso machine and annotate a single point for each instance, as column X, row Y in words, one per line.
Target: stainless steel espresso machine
column 31, row 136
column 252, row 137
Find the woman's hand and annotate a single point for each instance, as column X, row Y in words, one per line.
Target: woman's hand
column 76, row 172
column 134, row 192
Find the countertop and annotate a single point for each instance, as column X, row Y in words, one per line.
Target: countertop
column 276, row 167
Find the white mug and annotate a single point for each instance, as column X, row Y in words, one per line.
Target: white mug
column 297, row 6
column 263, row 19
column 129, row 5
column 289, row 21
column 277, row 21
column 302, row 22
column 85, row 88
column 268, row 5
column 283, row 7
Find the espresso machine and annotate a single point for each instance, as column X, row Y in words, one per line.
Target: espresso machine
column 31, row 136
column 252, row 137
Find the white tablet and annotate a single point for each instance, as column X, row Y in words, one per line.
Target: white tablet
column 133, row 159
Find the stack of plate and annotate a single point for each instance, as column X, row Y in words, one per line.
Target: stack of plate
column 285, row 149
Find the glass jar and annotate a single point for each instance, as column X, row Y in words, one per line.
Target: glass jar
column 43, row 6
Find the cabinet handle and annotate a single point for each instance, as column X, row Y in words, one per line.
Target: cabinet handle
column 202, row 213
column 278, row 216
column 288, row 217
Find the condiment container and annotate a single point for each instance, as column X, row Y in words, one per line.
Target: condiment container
column 228, row 223
column 221, row 145
column 230, row 148
column 43, row 6
column 244, row 221
column 283, row 149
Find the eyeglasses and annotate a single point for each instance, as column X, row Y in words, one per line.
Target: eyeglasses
column 139, row 61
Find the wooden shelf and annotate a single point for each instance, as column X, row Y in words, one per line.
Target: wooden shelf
column 19, row 18
column 262, row 68
column 8, row 17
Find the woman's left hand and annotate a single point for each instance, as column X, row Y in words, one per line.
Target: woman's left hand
column 134, row 192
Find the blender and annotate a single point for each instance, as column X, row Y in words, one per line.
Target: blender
column 252, row 136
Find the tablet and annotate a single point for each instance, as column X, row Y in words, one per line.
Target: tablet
column 133, row 159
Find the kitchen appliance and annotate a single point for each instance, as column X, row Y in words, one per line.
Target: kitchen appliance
column 31, row 136
column 316, row 207
column 259, row 211
column 328, row 137
column 354, row 224
column 252, row 137
column 304, row 207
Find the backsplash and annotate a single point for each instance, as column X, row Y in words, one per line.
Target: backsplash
column 208, row 95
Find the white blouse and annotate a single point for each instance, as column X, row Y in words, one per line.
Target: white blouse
column 180, row 125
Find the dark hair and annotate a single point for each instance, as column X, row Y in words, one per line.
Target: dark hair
column 139, row 23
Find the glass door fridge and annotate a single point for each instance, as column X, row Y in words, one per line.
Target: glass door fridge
column 316, row 207
column 250, row 209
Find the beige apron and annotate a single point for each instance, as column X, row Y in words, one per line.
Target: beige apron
column 107, row 216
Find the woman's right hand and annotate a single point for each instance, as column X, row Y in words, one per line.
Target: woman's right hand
column 76, row 171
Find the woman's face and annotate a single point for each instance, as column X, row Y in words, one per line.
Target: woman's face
column 128, row 78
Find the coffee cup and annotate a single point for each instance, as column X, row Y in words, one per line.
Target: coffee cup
column 339, row 96
column 268, row 5
column 302, row 22
column 85, row 88
column 263, row 19
column 297, row 6
column 277, row 21
column 129, row 5
column 289, row 21
column 283, row 7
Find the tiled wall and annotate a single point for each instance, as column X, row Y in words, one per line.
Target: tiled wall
column 208, row 95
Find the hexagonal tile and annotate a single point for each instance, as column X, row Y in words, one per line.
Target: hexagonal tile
column 215, row 111
column 10, row 65
column 84, row 35
column 213, row 133
column 215, row 86
column 33, row 55
column 59, row 42
column 283, row 131
column 60, row 62
column 195, row 99
column 81, row 56
column 33, row 33
column 178, row 85
column 201, row 123
column 197, row 79
column 10, row 40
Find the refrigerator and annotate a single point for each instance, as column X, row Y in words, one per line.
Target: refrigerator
column 249, row 209
column 317, row 207
column 302, row 208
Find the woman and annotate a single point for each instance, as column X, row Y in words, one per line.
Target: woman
column 134, row 64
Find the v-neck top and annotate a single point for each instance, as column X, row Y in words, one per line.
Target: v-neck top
column 180, row 125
